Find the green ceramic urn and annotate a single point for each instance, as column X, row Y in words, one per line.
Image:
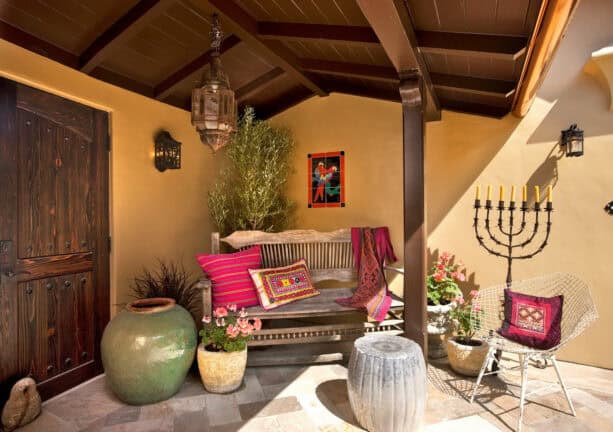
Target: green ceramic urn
column 147, row 350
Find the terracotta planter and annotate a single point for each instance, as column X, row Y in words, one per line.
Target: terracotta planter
column 147, row 350
column 439, row 326
column 221, row 372
column 466, row 359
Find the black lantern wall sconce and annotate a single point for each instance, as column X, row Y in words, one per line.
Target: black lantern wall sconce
column 167, row 152
column 572, row 141
column 609, row 208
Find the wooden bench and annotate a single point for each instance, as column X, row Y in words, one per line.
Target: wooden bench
column 317, row 321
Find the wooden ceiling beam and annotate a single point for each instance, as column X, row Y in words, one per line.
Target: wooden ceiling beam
column 356, row 90
column 122, row 81
column 475, row 108
column 38, row 46
column 549, row 30
column 286, row 101
column 246, row 28
column 481, row 86
column 168, row 85
column 356, row 70
column 503, row 47
column 391, row 22
column 300, row 31
column 122, row 30
column 256, row 85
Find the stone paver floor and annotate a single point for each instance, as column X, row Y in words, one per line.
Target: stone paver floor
column 314, row 398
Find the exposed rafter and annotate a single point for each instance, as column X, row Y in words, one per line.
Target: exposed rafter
column 122, row 30
column 288, row 100
column 356, row 90
column 482, row 86
column 254, row 86
column 504, row 47
column 167, row 86
column 356, row 70
column 475, row 108
column 122, row 81
column 548, row 32
column 246, row 28
column 281, row 30
column 391, row 22
column 39, row 46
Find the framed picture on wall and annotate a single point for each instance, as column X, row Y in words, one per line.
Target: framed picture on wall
column 326, row 184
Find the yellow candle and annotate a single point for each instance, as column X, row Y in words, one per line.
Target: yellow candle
column 478, row 194
column 524, row 193
column 489, row 192
column 513, row 193
column 537, row 194
column 501, row 193
column 549, row 193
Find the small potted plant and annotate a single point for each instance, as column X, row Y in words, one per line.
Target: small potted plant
column 466, row 355
column 222, row 355
column 443, row 289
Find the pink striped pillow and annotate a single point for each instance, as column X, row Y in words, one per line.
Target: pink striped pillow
column 230, row 277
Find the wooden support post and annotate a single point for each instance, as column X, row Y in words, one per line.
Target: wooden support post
column 415, row 233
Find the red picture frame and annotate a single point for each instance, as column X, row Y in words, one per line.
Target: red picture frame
column 326, row 179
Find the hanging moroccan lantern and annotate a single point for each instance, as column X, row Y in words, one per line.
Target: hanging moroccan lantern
column 213, row 104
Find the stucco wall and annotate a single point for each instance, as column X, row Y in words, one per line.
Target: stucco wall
column 463, row 151
column 153, row 214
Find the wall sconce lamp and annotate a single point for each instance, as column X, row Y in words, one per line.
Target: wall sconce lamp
column 167, row 152
column 572, row 141
column 609, row 208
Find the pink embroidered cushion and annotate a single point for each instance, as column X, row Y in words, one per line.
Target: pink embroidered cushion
column 230, row 278
column 532, row 321
column 282, row 285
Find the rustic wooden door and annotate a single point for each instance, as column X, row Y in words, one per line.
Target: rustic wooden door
column 54, row 238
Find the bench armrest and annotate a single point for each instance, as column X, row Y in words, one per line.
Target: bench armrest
column 204, row 284
column 394, row 269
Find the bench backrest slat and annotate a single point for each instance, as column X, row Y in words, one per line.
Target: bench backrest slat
column 329, row 256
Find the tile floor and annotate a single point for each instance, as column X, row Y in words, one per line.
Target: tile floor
column 314, row 398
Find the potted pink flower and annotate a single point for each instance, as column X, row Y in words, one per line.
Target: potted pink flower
column 466, row 354
column 443, row 288
column 222, row 355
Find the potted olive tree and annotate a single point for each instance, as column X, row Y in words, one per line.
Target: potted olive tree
column 466, row 354
column 222, row 355
column 443, row 290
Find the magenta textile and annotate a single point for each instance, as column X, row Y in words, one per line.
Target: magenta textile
column 229, row 275
column 372, row 248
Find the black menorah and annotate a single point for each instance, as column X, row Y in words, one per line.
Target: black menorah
column 505, row 240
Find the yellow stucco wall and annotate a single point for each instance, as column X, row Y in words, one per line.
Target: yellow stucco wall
column 463, row 151
column 153, row 214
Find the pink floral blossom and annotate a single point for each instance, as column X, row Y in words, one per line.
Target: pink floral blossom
column 446, row 257
column 220, row 322
column 206, row 319
column 243, row 313
column 232, row 308
column 474, row 293
column 220, row 312
column 257, row 324
column 477, row 307
column 439, row 276
column 459, row 300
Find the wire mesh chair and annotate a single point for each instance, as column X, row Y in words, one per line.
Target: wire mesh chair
column 487, row 315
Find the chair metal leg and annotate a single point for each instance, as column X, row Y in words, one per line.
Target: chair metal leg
column 487, row 361
column 524, row 359
column 570, row 404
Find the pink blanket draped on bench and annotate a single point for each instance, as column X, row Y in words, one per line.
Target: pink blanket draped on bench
column 372, row 249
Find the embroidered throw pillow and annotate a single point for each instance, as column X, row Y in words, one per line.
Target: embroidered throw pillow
column 532, row 321
column 230, row 278
column 282, row 285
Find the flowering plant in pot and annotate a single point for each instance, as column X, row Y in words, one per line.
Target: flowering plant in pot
column 443, row 288
column 222, row 355
column 466, row 354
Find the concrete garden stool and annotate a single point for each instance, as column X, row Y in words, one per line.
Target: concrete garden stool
column 387, row 383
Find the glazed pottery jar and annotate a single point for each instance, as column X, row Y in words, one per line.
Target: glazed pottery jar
column 221, row 372
column 147, row 350
column 466, row 359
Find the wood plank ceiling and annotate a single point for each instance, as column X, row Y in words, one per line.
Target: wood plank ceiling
column 280, row 52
